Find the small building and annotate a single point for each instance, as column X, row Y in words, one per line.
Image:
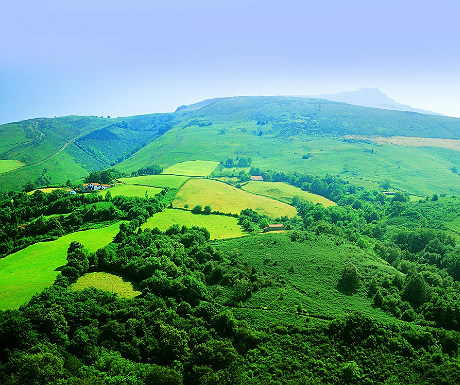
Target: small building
column 257, row 177
column 95, row 186
column 70, row 191
column 274, row 227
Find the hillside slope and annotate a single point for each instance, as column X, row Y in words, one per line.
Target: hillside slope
column 280, row 133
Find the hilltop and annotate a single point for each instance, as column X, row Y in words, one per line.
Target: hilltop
column 278, row 133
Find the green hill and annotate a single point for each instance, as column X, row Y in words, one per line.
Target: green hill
column 279, row 133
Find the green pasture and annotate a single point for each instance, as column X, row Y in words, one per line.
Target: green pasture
column 228, row 199
column 284, row 192
column 365, row 164
column 45, row 190
column 306, row 274
column 107, row 282
column 131, row 191
column 192, row 168
column 29, row 271
column 159, row 181
column 219, row 226
column 9, row 165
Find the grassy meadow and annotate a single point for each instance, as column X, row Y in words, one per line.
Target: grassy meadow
column 219, row 226
column 284, row 192
column 228, row 199
column 131, row 191
column 107, row 282
column 192, row 168
column 304, row 274
column 30, row 270
column 9, row 165
column 159, row 181
column 365, row 164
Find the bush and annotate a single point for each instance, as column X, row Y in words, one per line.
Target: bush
column 350, row 279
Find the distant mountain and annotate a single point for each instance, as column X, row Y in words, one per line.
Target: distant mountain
column 371, row 97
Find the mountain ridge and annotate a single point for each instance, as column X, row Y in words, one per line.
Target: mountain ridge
column 371, row 97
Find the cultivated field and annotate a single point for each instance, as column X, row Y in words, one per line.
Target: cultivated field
column 8, row 165
column 284, row 192
column 29, row 271
column 219, row 226
column 450, row 144
column 131, row 191
column 228, row 199
column 107, row 282
column 160, row 181
column 192, row 168
column 45, row 190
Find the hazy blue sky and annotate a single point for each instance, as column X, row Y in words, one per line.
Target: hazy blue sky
column 119, row 58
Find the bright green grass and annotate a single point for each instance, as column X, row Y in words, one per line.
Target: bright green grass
column 366, row 164
column 219, row 226
column 160, row 181
column 284, row 192
column 228, row 199
column 8, row 165
column 316, row 264
column 192, row 168
column 131, row 191
column 107, row 282
column 30, row 270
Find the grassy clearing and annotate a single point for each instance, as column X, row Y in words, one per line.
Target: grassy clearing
column 228, row 199
column 45, row 190
column 30, row 270
column 219, row 226
column 284, row 192
column 305, row 274
column 107, row 282
column 131, row 191
column 192, row 168
column 8, row 165
column 160, row 181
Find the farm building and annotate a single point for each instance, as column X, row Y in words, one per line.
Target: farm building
column 274, row 227
column 95, row 186
column 70, row 191
column 257, row 177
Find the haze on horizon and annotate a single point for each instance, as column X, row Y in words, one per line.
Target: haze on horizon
column 127, row 58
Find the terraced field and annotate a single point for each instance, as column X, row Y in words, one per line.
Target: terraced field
column 107, row 282
column 228, row 199
column 192, row 168
column 284, row 192
column 219, row 226
column 160, row 181
column 29, row 271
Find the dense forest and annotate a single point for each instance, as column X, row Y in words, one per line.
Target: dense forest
column 191, row 324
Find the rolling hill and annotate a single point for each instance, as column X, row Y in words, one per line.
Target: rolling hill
column 302, row 134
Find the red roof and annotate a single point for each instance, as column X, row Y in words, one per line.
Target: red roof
column 257, row 177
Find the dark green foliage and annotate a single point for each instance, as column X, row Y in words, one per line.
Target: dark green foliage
column 22, row 221
column 349, row 279
column 416, row 290
column 104, row 176
column 197, row 209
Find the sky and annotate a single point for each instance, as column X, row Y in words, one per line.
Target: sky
column 122, row 58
